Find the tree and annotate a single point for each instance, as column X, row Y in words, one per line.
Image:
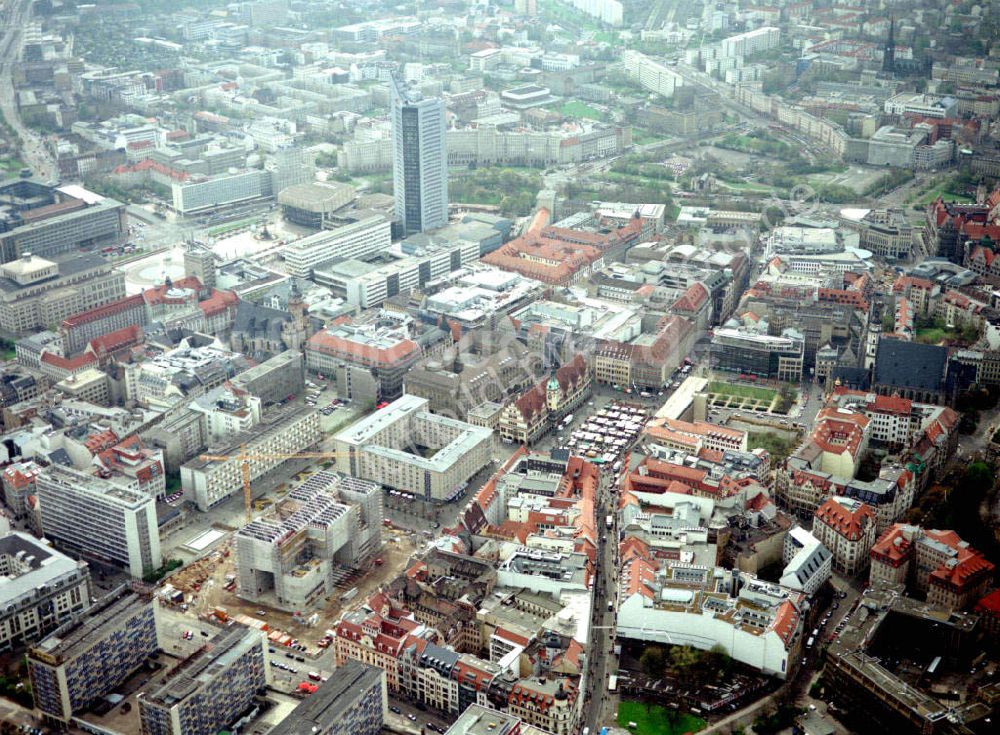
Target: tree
column 683, row 657
column 718, row 661
column 978, row 478
column 651, row 662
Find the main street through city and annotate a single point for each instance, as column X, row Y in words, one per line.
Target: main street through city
column 600, row 705
column 16, row 14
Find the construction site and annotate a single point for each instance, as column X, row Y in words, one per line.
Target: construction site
column 317, row 547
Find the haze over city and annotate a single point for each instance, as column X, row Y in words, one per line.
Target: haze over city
column 499, row 367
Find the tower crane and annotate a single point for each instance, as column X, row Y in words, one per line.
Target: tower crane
column 244, row 458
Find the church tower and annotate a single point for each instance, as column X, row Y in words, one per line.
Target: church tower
column 889, row 54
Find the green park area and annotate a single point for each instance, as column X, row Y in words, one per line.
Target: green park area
column 778, row 446
column 652, row 719
column 741, row 391
column 233, row 226
column 10, row 166
column 942, row 191
column 751, row 398
column 578, row 109
column 512, row 190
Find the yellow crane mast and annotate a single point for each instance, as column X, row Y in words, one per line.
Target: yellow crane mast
column 244, row 458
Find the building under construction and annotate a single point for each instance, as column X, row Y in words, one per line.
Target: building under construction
column 292, row 558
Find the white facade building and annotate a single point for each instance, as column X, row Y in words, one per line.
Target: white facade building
column 41, row 589
column 367, row 286
column 808, row 563
column 651, row 74
column 755, row 622
column 406, row 447
column 606, row 11
column 751, row 42
column 288, row 430
column 220, row 191
column 99, row 518
column 359, row 239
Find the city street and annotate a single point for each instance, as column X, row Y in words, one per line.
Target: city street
column 600, row 705
column 16, row 14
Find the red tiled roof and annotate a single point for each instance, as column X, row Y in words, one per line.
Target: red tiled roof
column 85, row 317
column 989, row 605
column 786, row 621
column 692, row 299
column 150, row 165
column 68, row 363
column 891, row 404
column 218, row 302
column 116, row 340
column 849, row 524
column 158, row 294
column 837, row 431
column 327, row 343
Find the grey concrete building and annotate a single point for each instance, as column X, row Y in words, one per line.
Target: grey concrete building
column 274, row 380
column 87, row 658
column 42, row 589
column 212, row 689
column 420, row 159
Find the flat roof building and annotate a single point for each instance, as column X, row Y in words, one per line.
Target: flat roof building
column 40, row 588
column 98, row 518
column 738, row 349
column 88, row 658
column 480, row 720
column 361, row 238
column 352, row 702
column 386, row 352
column 46, row 222
column 758, row 623
column 211, row 689
column 405, row 446
column 36, row 292
column 288, row 429
column 288, row 558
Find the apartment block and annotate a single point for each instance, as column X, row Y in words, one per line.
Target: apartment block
column 651, row 74
column 361, row 239
column 42, row 589
column 353, row 702
column 99, row 518
column 89, row 657
column 288, row 429
column 406, row 447
column 211, row 689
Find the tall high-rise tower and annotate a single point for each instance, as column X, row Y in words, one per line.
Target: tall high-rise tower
column 889, row 54
column 420, row 159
